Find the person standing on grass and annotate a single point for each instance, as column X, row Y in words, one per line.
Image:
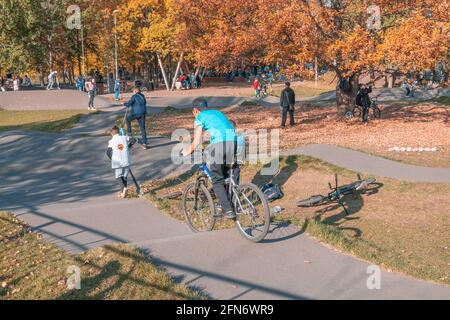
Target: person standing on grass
column 287, row 105
column 363, row 100
column 91, row 89
column 137, row 110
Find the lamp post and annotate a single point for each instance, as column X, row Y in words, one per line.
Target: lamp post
column 82, row 51
column 115, row 12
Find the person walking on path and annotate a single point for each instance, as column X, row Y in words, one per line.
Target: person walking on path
column 287, row 105
column 52, row 77
column 91, row 89
column 137, row 110
column 117, row 89
column 119, row 154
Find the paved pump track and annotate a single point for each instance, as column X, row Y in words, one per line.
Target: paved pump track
column 62, row 186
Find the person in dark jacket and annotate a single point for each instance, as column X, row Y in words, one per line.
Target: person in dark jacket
column 363, row 100
column 137, row 111
column 287, row 104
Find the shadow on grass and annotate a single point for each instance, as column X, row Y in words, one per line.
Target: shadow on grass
column 353, row 204
column 289, row 166
column 115, row 274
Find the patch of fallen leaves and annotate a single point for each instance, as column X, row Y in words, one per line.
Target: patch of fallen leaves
column 423, row 125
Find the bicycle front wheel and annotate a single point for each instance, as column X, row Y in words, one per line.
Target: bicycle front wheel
column 198, row 208
column 253, row 213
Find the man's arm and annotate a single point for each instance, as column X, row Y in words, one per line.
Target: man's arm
column 197, row 141
column 129, row 103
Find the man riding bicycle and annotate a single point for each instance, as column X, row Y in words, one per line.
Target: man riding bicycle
column 221, row 151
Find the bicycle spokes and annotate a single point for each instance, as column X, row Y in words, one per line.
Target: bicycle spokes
column 198, row 209
column 250, row 211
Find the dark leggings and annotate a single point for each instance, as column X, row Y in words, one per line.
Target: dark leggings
column 91, row 99
column 123, row 182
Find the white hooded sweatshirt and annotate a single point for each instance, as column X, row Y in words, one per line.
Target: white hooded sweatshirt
column 121, row 157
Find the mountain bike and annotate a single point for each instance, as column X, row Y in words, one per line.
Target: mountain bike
column 248, row 201
column 356, row 112
column 355, row 188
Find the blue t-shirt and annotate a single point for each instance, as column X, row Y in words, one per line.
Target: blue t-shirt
column 217, row 125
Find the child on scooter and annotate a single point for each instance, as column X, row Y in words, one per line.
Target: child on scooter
column 120, row 156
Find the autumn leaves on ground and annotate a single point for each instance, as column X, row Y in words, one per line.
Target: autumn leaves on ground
column 425, row 124
column 401, row 226
column 33, row 268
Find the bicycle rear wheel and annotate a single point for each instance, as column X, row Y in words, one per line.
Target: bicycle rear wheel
column 198, row 208
column 376, row 112
column 312, row 201
column 253, row 213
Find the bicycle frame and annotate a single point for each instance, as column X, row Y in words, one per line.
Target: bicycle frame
column 203, row 176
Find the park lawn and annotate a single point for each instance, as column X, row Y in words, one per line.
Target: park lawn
column 33, row 268
column 425, row 124
column 401, row 226
column 40, row 120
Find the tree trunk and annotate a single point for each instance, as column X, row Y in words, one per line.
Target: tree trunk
column 176, row 71
column 163, row 72
column 197, row 71
column 390, row 80
column 41, row 77
column 345, row 99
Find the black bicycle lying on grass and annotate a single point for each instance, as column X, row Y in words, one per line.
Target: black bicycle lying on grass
column 355, row 188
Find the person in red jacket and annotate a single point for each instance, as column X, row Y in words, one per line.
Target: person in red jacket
column 183, row 81
column 256, row 87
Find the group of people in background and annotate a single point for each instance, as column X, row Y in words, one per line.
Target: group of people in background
column 263, row 83
column 14, row 82
column 187, row 82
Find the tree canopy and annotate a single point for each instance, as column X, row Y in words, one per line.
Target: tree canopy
column 348, row 36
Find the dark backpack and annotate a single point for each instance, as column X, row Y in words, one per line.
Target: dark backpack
column 272, row 191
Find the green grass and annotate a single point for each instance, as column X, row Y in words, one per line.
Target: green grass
column 444, row 100
column 40, row 120
column 32, row 268
column 249, row 103
column 394, row 227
